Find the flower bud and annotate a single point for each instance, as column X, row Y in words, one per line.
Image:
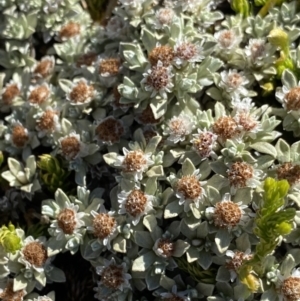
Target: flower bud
column 9, row 239
column 241, row 7
column 252, row 282
column 278, row 37
column 284, row 228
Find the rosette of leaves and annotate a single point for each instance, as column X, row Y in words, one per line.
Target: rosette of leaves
column 22, row 177
column 53, row 173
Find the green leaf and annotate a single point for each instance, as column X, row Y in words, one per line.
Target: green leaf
column 283, row 151
column 173, row 209
column 188, row 167
column 265, row 148
column 143, row 262
column 143, row 239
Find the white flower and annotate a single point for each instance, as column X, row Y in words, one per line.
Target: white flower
column 190, row 190
column 134, row 162
column 228, row 39
column 113, row 277
column 256, row 49
column 233, row 82
column 81, row 93
column 164, row 247
column 43, row 68
column 158, row 80
column 104, row 226
column 39, row 95
column 204, row 143
column 290, row 99
column 47, row 122
column 10, row 95
column 163, row 17
column 237, row 259
column 178, row 127
column 68, row 222
column 135, row 203
column 242, row 105
column 185, row 51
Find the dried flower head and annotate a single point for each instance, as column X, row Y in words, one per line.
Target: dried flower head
column 8, row 293
column 242, row 174
column 81, row 93
column 70, row 147
column 146, row 117
column 164, row 247
column 290, row 289
column 134, row 162
column 227, row 214
column 48, row 121
column 109, row 130
column 70, row 30
column 165, row 54
column 204, row 143
column 178, row 127
column 135, row 203
column 44, row 68
column 39, row 94
column 190, row 190
column 236, row 261
column 292, row 99
column 19, row 136
column 68, row 221
column 9, row 93
column 109, row 67
column 290, row 172
column 158, row 79
column 35, row 253
column 104, row 226
column 113, row 276
column 87, row 59
column 226, row 128
column 247, row 122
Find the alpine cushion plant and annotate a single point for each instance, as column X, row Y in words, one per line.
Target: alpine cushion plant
column 154, row 145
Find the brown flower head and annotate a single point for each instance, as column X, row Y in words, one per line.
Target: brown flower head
column 66, row 220
column 104, row 225
column 10, row 92
column 39, row 94
column 292, row 99
column 226, row 128
column 165, row 54
column 70, row 30
column 109, row 130
column 20, row 136
column 35, row 253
